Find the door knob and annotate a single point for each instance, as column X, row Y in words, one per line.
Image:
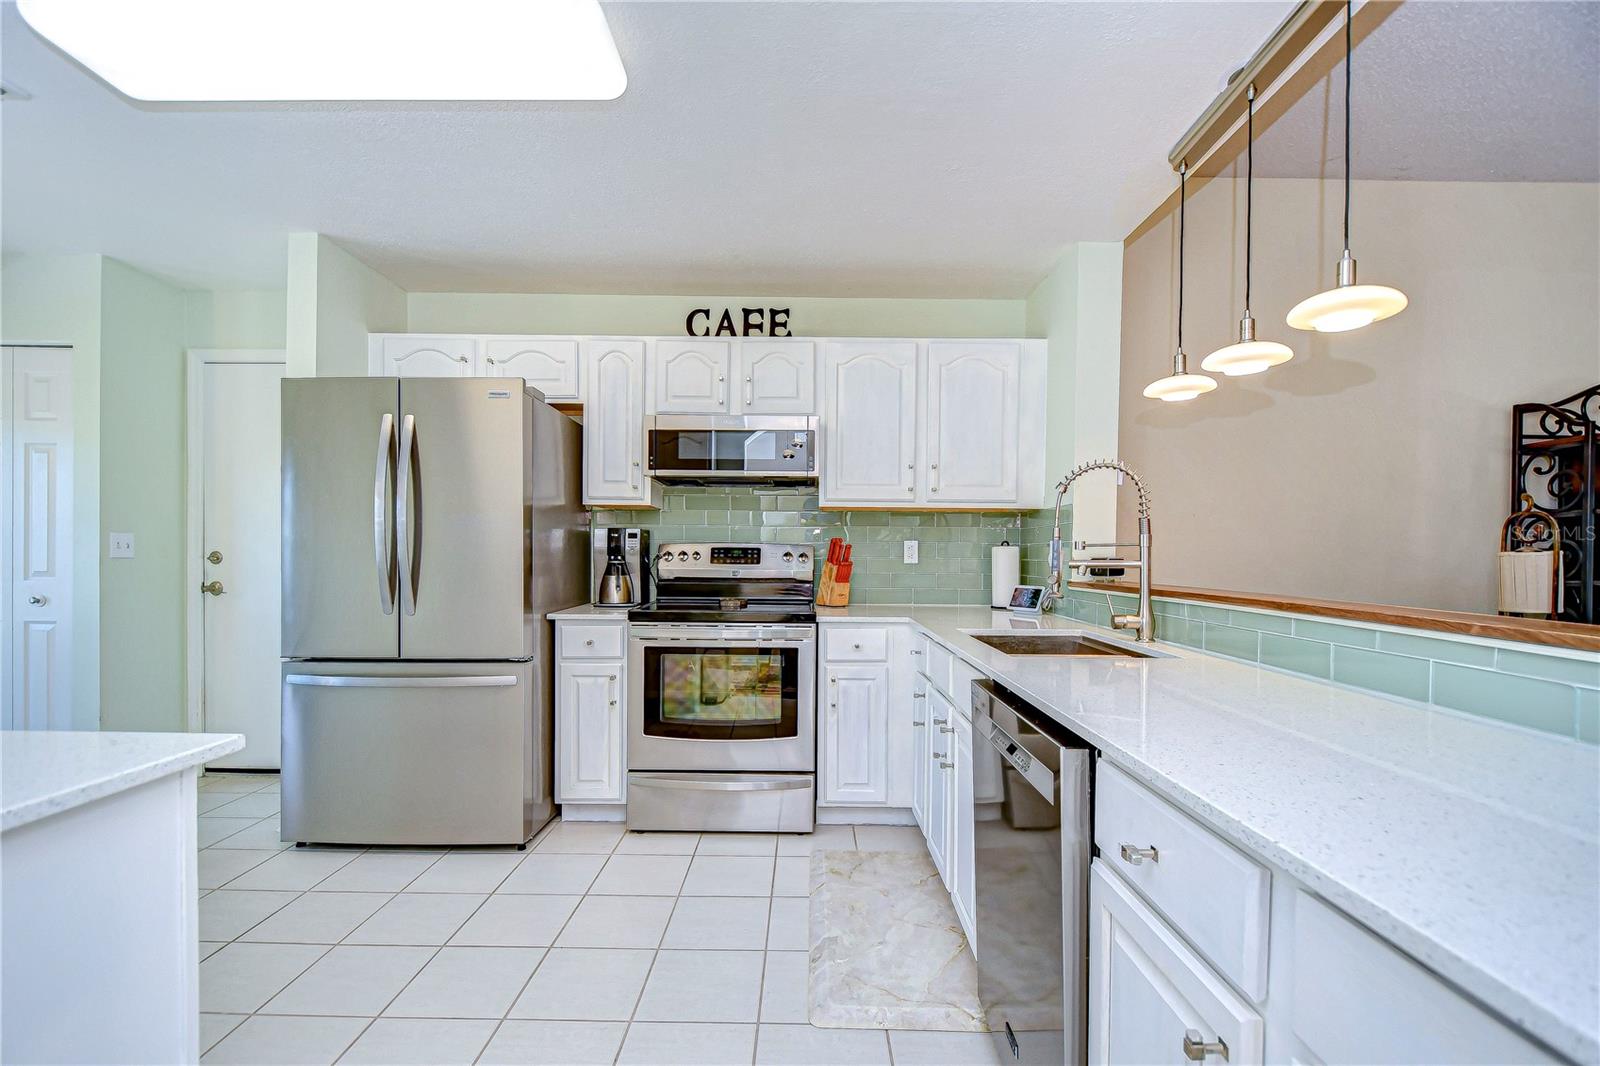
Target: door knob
column 214, row 558
column 213, row 588
column 38, row 601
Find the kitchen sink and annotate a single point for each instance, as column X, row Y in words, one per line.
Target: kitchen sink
column 1045, row 643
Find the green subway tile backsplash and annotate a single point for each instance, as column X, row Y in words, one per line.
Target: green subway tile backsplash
column 1398, row 675
column 1528, row 701
column 952, row 548
column 1310, row 657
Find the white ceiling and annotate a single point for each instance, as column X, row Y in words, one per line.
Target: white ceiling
column 896, row 149
column 1478, row 91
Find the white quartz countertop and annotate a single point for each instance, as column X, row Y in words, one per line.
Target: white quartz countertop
column 1473, row 846
column 44, row 773
column 588, row 610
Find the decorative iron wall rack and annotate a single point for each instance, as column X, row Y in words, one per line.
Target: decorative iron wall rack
column 1555, row 448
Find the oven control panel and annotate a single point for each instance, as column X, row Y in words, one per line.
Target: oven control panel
column 793, row 562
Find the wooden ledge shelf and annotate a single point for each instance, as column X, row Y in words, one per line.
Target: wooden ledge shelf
column 1574, row 635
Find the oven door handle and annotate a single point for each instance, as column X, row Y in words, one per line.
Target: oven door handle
column 725, row 786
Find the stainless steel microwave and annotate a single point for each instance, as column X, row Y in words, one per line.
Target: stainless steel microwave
column 706, row 449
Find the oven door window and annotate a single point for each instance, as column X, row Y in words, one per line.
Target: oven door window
column 732, row 693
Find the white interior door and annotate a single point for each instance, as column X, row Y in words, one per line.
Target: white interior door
column 240, row 548
column 37, row 413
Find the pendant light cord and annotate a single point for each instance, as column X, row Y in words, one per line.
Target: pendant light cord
column 1249, row 186
column 1349, row 13
column 1183, row 170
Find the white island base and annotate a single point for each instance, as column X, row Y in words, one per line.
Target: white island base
column 98, row 895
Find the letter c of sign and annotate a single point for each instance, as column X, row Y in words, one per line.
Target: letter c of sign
column 688, row 323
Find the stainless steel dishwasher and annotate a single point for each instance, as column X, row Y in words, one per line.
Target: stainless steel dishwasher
column 1031, row 866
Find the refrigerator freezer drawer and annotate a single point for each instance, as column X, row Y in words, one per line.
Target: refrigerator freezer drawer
column 409, row 753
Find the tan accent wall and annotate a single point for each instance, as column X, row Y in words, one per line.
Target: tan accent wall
column 1375, row 466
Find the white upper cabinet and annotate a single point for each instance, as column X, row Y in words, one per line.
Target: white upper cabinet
column 549, row 364
column 869, row 422
column 613, row 425
column 973, row 396
column 404, row 356
column 777, row 377
column 691, row 376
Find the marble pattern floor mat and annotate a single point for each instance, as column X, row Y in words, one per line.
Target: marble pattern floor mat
column 887, row 951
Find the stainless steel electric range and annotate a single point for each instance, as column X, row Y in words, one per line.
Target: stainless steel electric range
column 722, row 680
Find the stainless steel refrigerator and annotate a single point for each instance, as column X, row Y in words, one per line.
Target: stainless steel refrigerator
column 429, row 527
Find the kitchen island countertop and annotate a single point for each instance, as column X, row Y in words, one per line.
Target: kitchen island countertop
column 1472, row 845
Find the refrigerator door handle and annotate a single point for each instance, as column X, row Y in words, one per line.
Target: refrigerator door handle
column 382, row 515
column 372, row 681
column 404, row 527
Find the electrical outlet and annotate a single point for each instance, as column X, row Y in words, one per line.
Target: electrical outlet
column 121, row 546
column 910, row 551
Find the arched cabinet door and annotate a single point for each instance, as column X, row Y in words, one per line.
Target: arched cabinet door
column 691, row 377
column 869, row 426
column 429, row 357
column 974, row 392
column 777, row 377
column 613, row 425
column 549, row 364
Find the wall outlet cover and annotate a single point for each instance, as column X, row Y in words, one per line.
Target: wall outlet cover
column 121, row 546
column 910, row 551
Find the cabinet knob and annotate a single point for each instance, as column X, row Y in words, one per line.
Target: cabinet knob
column 934, row 489
column 1134, row 855
column 588, row 643
column 38, row 601
column 613, row 677
column 462, row 359
column 857, row 647
column 1195, row 1047
column 489, row 359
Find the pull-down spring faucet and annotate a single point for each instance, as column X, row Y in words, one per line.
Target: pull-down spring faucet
column 1144, row 622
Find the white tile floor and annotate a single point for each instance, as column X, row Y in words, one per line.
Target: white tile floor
column 594, row 946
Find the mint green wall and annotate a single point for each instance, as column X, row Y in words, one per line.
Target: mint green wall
column 333, row 301
column 56, row 300
column 142, row 424
column 250, row 318
column 457, row 312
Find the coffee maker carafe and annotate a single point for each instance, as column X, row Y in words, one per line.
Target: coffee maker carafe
column 618, row 560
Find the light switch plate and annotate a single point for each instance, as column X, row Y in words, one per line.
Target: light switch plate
column 121, row 546
column 910, row 551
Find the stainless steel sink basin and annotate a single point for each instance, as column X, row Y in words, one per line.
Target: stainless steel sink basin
column 1046, row 643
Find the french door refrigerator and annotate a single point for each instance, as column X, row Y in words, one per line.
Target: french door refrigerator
column 429, row 527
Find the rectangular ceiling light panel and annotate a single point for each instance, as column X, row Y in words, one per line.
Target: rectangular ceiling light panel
column 242, row 50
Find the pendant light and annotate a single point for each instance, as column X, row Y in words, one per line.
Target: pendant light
column 1180, row 384
column 1248, row 356
column 1347, row 305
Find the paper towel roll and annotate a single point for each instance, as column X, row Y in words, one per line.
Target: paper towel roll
column 1005, row 572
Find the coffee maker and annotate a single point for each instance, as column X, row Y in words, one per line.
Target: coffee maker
column 619, row 561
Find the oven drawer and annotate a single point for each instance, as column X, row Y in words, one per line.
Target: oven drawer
column 728, row 803
column 863, row 644
column 591, row 641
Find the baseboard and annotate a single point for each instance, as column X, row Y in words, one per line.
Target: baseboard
column 865, row 816
column 594, row 812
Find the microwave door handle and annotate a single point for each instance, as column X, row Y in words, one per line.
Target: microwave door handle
column 405, row 527
column 382, row 514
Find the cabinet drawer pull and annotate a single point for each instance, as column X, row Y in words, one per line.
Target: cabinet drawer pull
column 1195, row 1048
column 857, row 647
column 946, row 729
column 1133, row 855
column 915, row 723
column 940, row 721
column 919, row 695
column 940, row 755
column 947, row 765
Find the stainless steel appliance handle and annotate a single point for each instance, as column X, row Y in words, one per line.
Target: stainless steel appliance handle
column 382, row 530
column 402, row 515
column 364, row 681
column 727, row 786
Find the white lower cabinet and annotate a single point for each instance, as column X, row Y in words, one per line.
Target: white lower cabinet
column 854, row 753
column 963, row 888
column 1151, row 998
column 942, row 755
column 590, row 751
column 921, row 730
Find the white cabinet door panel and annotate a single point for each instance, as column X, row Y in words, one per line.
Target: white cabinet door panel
column 972, row 422
column 963, row 888
column 1147, row 989
column 691, row 377
column 428, row 357
column 777, row 377
column 613, row 424
column 920, row 731
column 549, row 364
column 869, row 424
column 855, row 728
column 589, row 732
